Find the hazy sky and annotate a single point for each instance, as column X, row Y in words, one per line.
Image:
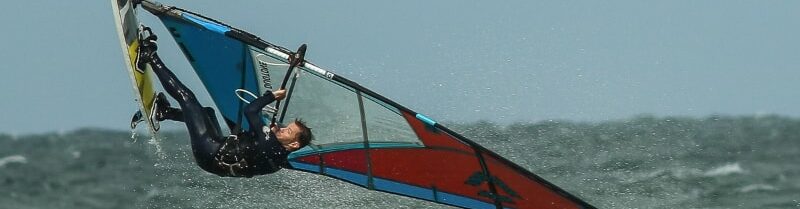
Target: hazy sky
column 505, row 61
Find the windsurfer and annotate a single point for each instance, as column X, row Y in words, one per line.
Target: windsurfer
column 262, row 150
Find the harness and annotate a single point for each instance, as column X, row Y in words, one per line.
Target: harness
column 228, row 157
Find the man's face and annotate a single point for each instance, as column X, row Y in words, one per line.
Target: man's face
column 289, row 134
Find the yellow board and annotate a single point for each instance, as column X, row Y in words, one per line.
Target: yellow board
column 129, row 33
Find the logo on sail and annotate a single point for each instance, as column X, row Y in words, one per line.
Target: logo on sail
column 479, row 178
column 263, row 71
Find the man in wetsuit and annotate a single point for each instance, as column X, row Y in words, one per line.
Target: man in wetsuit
column 261, row 150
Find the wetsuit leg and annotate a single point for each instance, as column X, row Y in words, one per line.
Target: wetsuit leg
column 176, row 114
column 204, row 131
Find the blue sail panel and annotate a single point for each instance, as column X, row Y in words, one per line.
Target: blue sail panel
column 223, row 64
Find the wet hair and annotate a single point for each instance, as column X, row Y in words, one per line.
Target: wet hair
column 305, row 135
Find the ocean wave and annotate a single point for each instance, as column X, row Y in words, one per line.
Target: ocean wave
column 673, row 172
column 12, row 159
column 682, row 172
column 724, row 170
column 757, row 187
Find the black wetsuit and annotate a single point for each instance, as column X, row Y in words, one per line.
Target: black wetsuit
column 243, row 155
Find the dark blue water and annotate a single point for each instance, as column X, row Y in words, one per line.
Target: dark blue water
column 644, row 162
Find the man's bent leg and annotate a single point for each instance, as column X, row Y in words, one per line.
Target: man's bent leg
column 205, row 132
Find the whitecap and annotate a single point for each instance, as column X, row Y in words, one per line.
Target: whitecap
column 728, row 169
column 12, row 159
column 683, row 172
column 757, row 187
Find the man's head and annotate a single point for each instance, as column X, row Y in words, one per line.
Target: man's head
column 294, row 136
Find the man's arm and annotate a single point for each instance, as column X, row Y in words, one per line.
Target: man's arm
column 253, row 110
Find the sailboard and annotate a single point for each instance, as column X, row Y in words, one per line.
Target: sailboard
column 361, row 137
column 129, row 32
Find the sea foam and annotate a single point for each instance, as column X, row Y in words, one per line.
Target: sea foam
column 12, row 159
column 757, row 187
column 728, row 169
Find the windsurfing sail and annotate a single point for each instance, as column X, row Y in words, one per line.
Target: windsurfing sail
column 361, row 137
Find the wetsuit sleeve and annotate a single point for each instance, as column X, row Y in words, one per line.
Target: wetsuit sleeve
column 253, row 112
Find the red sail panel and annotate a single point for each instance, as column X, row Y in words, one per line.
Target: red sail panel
column 433, row 138
column 444, row 170
column 349, row 160
column 517, row 190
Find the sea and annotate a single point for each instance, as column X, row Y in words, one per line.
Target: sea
column 646, row 161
